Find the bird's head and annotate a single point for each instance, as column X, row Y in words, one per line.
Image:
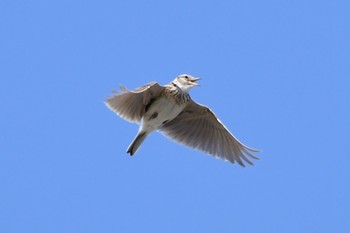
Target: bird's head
column 185, row 82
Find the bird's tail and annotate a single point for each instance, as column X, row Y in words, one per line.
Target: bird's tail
column 136, row 143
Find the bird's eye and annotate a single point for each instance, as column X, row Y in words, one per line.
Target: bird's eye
column 186, row 77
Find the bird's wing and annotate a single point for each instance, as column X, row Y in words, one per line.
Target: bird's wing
column 198, row 127
column 131, row 105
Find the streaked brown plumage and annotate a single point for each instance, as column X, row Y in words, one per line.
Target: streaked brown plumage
column 170, row 110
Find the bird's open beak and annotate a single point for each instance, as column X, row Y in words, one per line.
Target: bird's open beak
column 193, row 81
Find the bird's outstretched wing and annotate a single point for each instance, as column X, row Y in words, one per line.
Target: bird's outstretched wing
column 131, row 105
column 198, row 127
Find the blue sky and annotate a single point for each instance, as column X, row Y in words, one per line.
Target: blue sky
column 276, row 73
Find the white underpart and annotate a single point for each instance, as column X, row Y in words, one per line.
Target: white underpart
column 166, row 110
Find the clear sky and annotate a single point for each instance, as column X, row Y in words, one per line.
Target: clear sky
column 277, row 73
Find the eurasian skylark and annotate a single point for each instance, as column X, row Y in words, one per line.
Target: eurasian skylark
column 170, row 110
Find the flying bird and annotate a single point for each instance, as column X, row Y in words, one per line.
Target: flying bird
column 170, row 110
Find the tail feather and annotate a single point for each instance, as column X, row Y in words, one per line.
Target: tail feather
column 136, row 143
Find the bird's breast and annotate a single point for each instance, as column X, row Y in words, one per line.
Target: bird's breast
column 161, row 111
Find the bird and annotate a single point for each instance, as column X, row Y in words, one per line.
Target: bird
column 170, row 110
